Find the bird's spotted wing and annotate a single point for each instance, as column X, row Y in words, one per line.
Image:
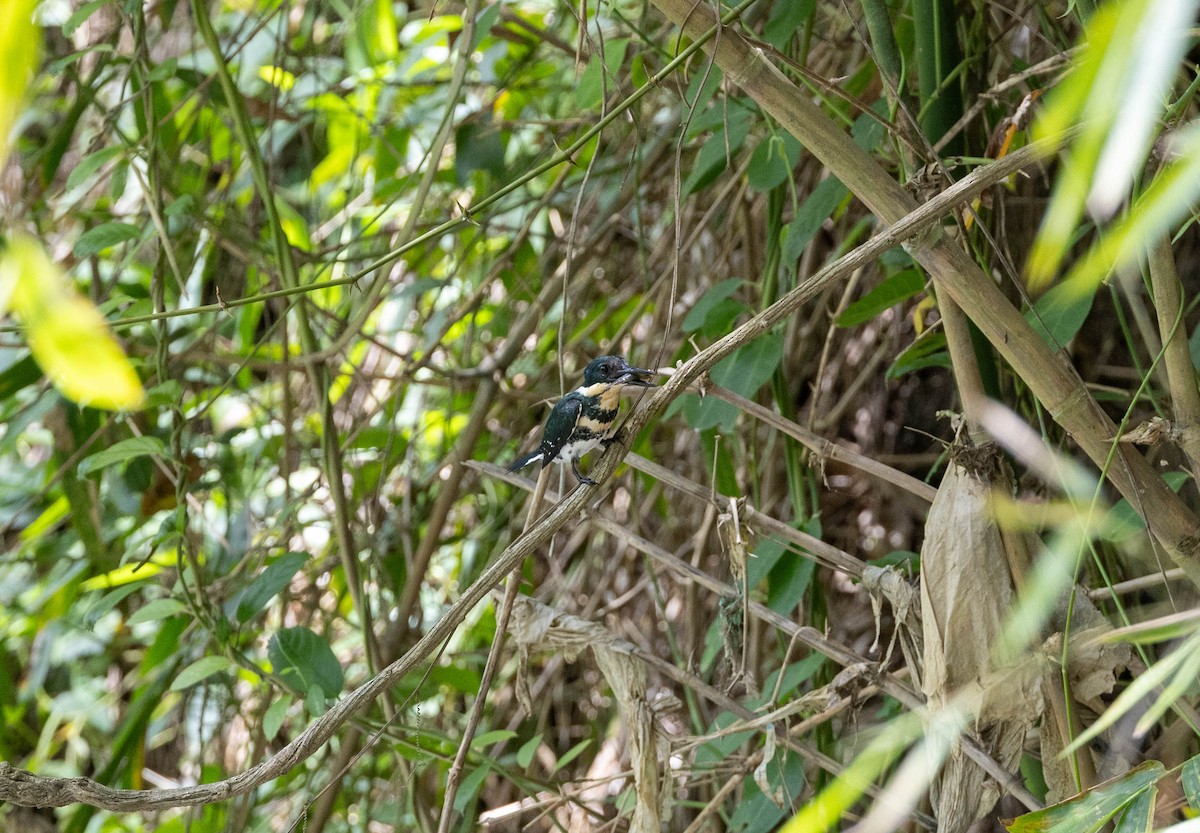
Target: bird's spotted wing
column 559, row 427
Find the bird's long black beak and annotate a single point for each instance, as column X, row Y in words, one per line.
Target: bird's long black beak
column 635, row 376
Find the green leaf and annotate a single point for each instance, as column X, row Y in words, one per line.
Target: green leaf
column 589, row 92
column 893, row 290
column 305, row 662
column 68, row 336
column 750, row 366
column 695, row 319
column 478, row 147
column 1061, row 312
column 929, row 350
column 20, row 42
column 470, row 787
column 199, row 670
column 812, row 214
column 703, row 413
column 101, row 607
column 528, row 750
column 1138, row 815
column 786, row 20
column 483, row 24
column 119, row 452
column 718, row 151
column 1093, row 808
column 772, row 161
column 744, row 371
column 80, row 15
column 494, row 736
column 93, row 162
column 275, row 715
column 18, row 376
column 156, row 610
column 266, row 586
column 572, row 753
column 1189, row 777
column 95, row 240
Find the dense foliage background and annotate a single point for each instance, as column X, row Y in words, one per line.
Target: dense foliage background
column 353, row 251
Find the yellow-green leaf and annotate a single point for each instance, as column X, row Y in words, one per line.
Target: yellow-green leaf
column 68, row 336
column 20, row 40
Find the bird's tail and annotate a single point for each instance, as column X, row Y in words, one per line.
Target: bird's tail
column 522, row 462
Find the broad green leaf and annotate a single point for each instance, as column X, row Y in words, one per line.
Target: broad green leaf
column 295, row 227
column 589, row 92
column 156, row 610
column 107, row 602
column 1092, row 809
column 20, row 42
column 18, row 376
column 478, row 147
column 813, row 212
column 275, row 715
column 1123, row 520
column 929, row 350
column 48, row 519
column 751, row 365
column 305, row 661
column 471, row 786
column 1061, row 312
column 119, row 452
column 200, row 670
column 483, row 24
column 572, row 753
column 893, row 290
column 131, row 572
column 95, row 240
column 744, row 371
column 785, row 21
column 378, row 27
column 91, row 163
column 755, row 811
column 267, row 585
column 718, row 151
column 528, row 749
column 695, row 319
column 494, row 736
column 704, row 413
column 80, row 15
column 1138, row 815
column 772, row 161
column 1189, row 777
column 68, row 337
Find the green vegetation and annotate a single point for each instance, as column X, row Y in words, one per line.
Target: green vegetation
column 287, row 286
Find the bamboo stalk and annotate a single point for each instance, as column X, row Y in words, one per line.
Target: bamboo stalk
column 1181, row 375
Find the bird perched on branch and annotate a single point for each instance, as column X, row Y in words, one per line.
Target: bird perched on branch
column 586, row 417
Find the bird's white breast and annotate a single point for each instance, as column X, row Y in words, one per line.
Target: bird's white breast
column 576, row 449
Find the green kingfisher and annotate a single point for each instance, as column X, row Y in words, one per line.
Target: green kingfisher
column 586, row 417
